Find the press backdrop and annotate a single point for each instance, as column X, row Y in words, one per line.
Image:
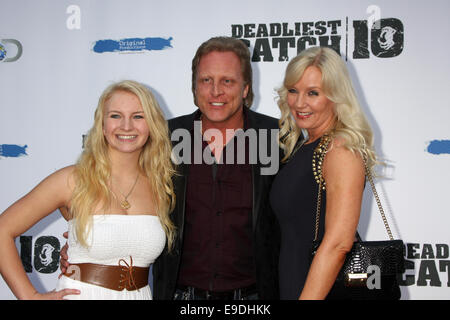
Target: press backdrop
column 56, row 57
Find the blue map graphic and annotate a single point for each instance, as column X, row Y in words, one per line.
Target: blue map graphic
column 439, row 147
column 12, row 150
column 132, row 44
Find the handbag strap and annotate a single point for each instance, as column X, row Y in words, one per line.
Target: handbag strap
column 318, row 157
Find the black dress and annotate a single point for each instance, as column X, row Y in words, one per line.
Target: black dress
column 293, row 198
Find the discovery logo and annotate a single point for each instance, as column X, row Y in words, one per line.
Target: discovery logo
column 10, row 50
column 132, row 45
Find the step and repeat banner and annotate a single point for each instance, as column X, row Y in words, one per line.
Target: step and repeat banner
column 56, row 57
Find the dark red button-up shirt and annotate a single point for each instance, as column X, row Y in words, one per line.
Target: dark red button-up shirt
column 217, row 250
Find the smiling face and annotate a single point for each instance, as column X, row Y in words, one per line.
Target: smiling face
column 220, row 89
column 124, row 125
column 310, row 107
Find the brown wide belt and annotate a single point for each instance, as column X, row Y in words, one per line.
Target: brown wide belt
column 112, row 277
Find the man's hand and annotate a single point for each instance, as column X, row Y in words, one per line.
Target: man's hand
column 63, row 261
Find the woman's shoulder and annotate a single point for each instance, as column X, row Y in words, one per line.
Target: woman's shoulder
column 338, row 142
column 339, row 146
column 340, row 158
column 63, row 178
column 65, row 172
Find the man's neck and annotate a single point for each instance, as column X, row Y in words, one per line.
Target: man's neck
column 227, row 129
column 234, row 123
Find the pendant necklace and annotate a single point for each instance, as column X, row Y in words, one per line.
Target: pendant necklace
column 125, row 204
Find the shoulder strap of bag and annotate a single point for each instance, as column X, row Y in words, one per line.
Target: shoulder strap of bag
column 318, row 157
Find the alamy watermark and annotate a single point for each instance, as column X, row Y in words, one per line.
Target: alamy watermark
column 263, row 147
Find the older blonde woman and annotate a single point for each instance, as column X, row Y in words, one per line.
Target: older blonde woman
column 317, row 97
column 116, row 199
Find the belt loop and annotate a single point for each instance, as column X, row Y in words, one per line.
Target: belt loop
column 191, row 293
column 186, row 294
column 237, row 294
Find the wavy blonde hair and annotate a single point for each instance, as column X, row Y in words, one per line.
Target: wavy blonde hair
column 93, row 169
column 351, row 124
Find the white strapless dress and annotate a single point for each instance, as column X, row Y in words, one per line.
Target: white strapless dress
column 115, row 237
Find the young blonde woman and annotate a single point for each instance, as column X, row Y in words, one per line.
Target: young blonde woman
column 317, row 97
column 116, row 199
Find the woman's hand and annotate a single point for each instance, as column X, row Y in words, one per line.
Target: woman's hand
column 54, row 295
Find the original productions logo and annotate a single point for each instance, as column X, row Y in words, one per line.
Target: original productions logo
column 132, row 45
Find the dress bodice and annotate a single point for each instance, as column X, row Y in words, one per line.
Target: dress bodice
column 115, row 237
column 293, row 198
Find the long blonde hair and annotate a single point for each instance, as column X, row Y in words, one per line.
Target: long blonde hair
column 351, row 124
column 93, row 169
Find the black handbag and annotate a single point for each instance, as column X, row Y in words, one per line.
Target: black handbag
column 372, row 268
